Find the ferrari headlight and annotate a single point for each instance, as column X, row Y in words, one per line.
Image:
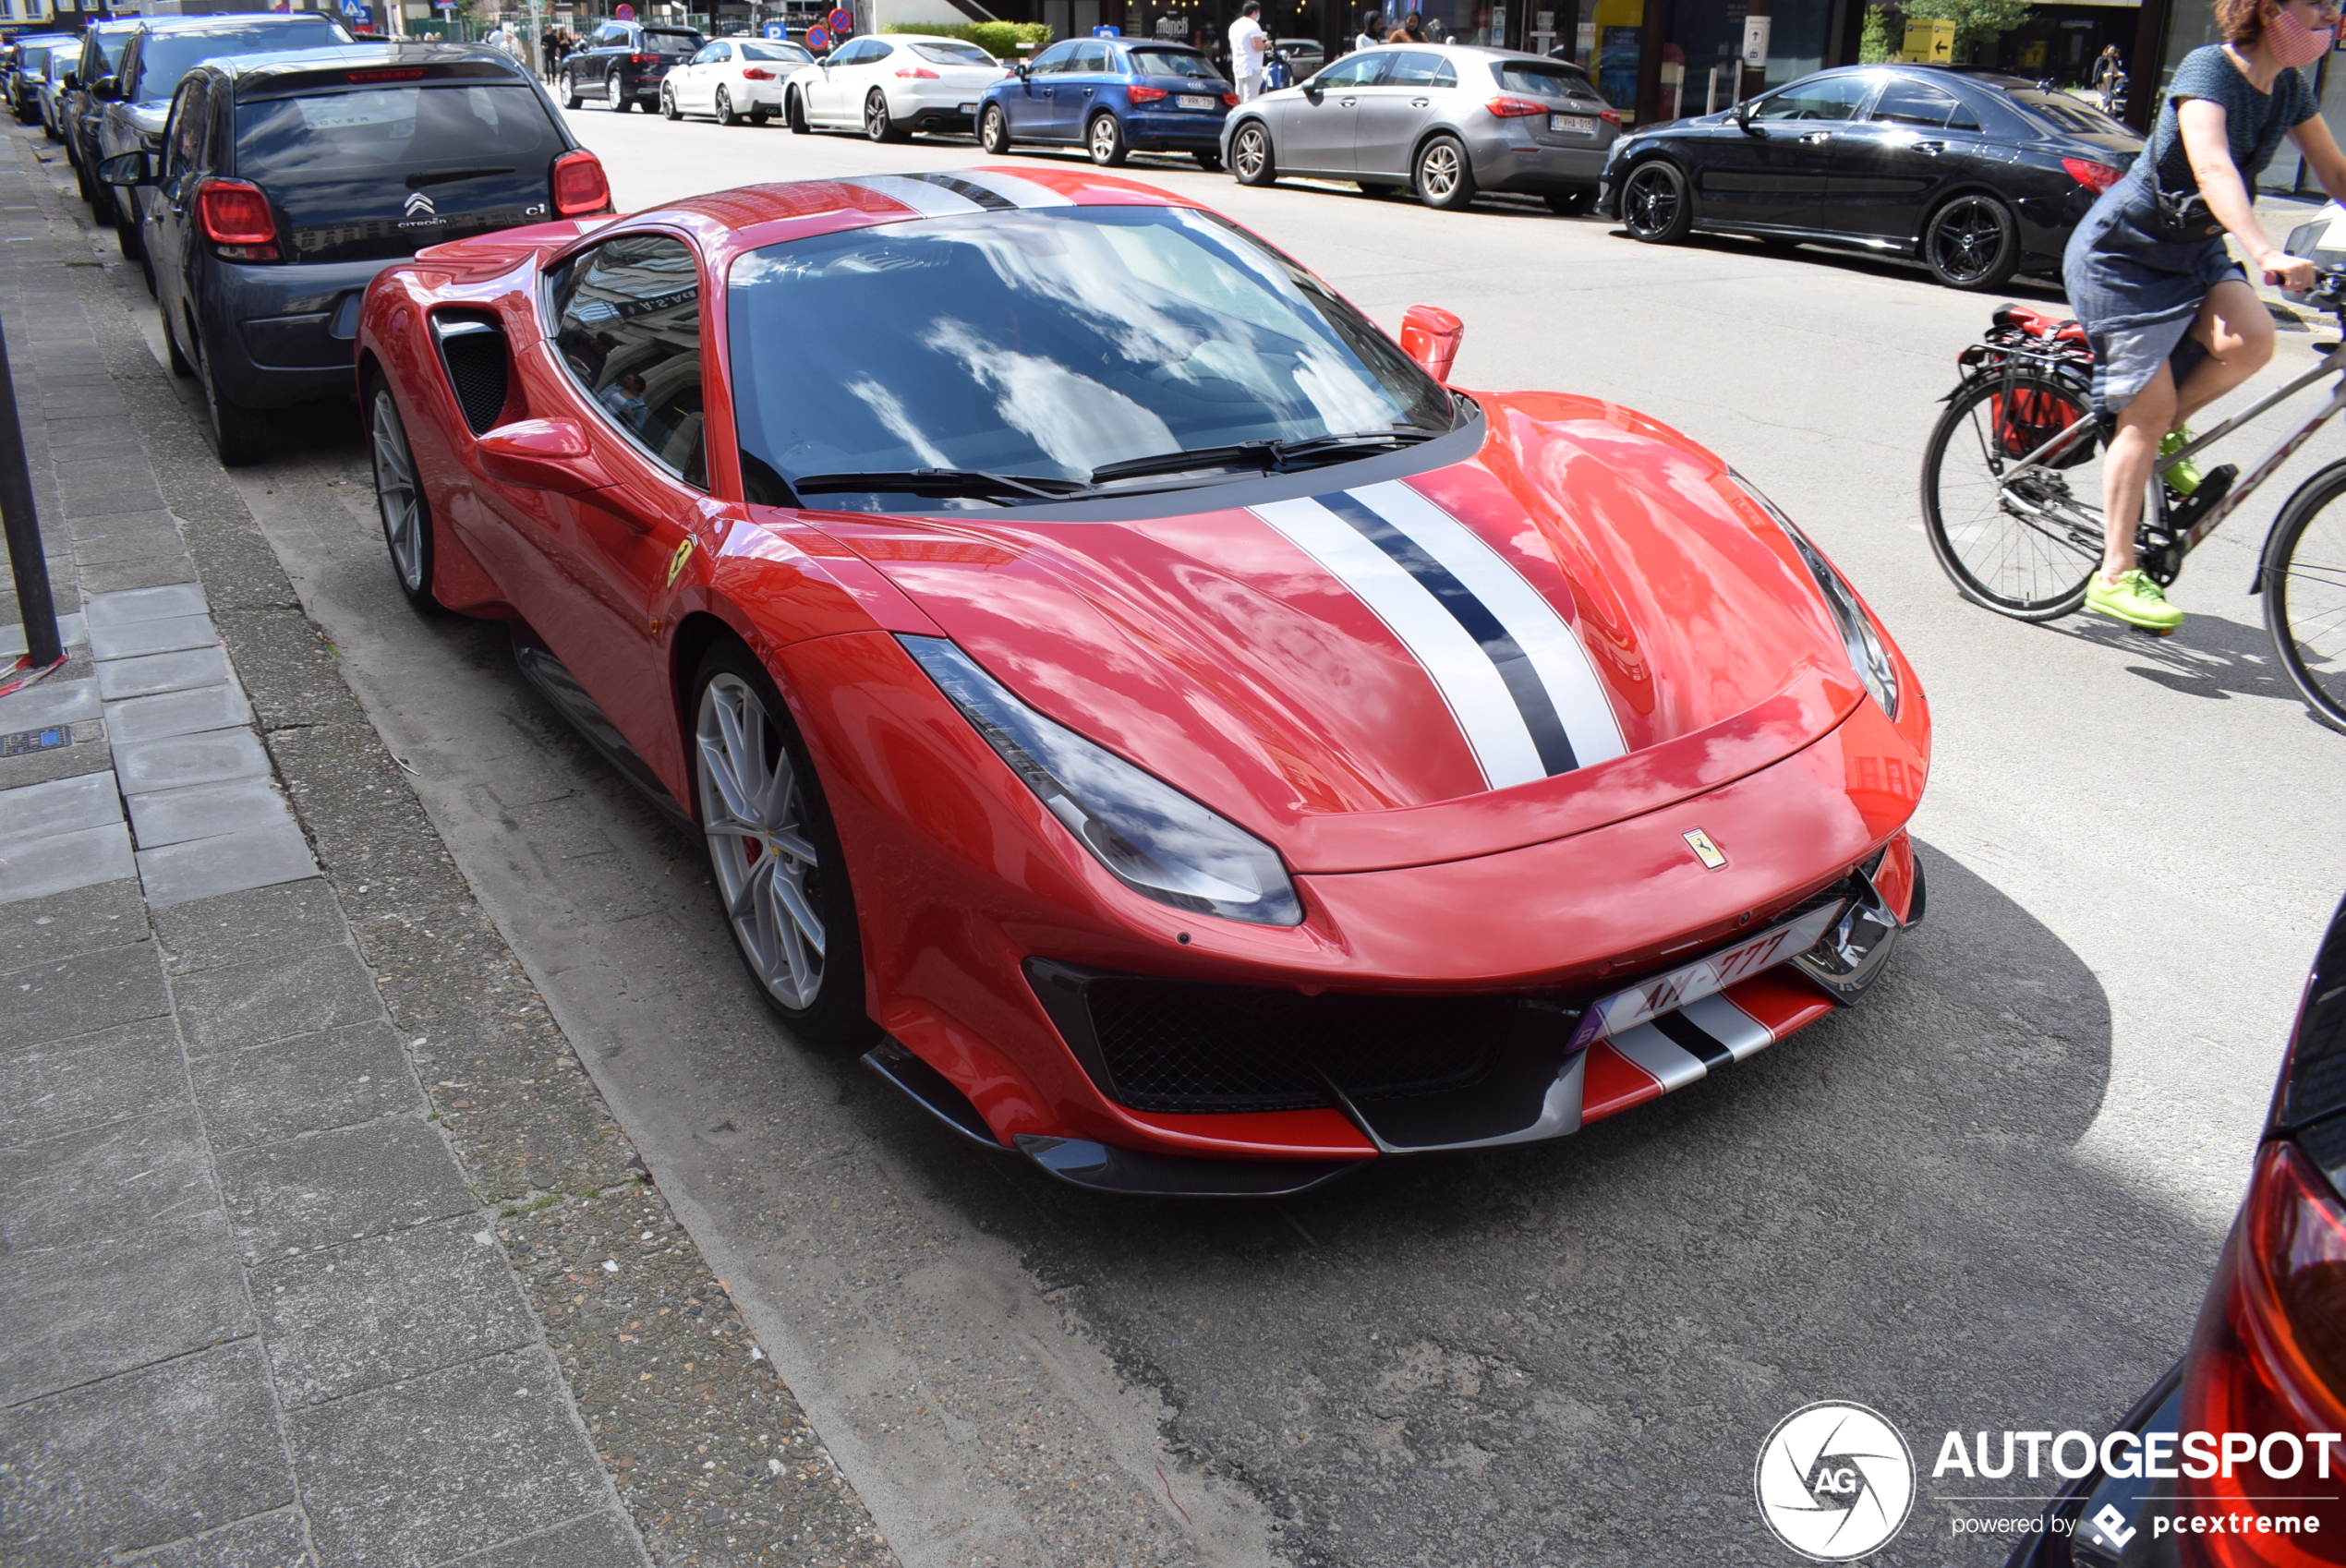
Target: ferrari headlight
column 1866, row 655
column 1151, row 837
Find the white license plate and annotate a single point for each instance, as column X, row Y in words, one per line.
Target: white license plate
column 1573, row 125
column 1649, row 999
column 969, row 108
column 1195, row 100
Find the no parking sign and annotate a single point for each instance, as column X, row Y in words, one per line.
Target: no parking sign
column 818, row 39
column 841, row 22
column 622, row 13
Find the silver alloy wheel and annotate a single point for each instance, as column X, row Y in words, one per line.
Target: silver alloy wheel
column 994, row 131
column 1106, row 138
column 876, row 117
column 1250, row 153
column 725, row 115
column 755, row 815
column 1438, row 171
column 396, row 494
column 668, row 103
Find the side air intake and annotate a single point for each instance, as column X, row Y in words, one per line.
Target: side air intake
column 472, row 348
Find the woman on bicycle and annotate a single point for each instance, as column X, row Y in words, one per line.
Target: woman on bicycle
column 2173, row 322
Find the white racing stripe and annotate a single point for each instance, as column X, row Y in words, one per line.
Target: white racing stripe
column 1659, row 1056
column 1460, row 670
column 1023, row 193
column 1563, row 664
column 929, row 201
column 1729, row 1025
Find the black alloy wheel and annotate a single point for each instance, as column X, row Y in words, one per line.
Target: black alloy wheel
column 725, row 115
column 794, row 112
column 668, row 110
column 1654, row 203
column 1103, row 139
column 180, row 365
column 1972, row 243
column 877, row 125
column 239, row 434
column 1250, row 158
column 1445, row 176
column 994, row 130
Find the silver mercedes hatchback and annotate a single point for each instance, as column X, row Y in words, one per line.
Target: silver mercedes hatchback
column 1448, row 120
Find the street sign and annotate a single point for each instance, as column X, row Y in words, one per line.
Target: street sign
column 841, row 22
column 1930, row 40
column 622, row 13
column 818, row 38
column 777, row 31
column 1108, row 33
column 1755, row 40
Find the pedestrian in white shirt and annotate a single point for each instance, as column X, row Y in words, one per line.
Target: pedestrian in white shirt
column 1249, row 50
column 1371, row 32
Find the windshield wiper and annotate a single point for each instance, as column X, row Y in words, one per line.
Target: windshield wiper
column 943, row 482
column 1271, row 456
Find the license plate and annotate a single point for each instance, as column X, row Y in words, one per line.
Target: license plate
column 1195, row 100
column 1573, row 125
column 969, row 108
column 1649, row 999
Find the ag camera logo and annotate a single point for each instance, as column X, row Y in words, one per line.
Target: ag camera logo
column 1835, row 1481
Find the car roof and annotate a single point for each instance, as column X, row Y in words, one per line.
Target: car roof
column 1491, row 50
column 256, row 72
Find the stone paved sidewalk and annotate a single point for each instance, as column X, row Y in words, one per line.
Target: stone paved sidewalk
column 259, row 1301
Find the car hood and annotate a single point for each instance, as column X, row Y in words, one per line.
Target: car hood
column 1379, row 676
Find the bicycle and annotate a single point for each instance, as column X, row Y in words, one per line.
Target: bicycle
column 2010, row 466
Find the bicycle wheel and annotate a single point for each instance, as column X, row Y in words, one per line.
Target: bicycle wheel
column 2305, row 577
column 2022, row 548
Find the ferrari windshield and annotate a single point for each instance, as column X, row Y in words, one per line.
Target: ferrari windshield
column 1048, row 345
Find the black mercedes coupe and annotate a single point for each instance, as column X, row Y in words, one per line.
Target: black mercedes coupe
column 1975, row 173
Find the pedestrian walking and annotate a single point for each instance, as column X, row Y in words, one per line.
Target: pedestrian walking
column 549, row 50
column 1371, row 33
column 2172, row 320
column 1249, row 50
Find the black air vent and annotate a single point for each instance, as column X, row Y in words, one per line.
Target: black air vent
column 472, row 345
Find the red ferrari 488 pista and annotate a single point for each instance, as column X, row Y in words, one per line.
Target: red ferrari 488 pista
column 1185, row 740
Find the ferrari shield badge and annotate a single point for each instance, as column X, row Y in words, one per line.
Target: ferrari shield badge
column 1709, row 853
column 676, row 563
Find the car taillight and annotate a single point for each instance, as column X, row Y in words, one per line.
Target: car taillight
column 1507, row 108
column 235, row 218
column 580, row 187
column 1610, row 116
column 2267, row 1359
column 1229, row 101
column 756, row 73
column 643, row 59
column 2095, row 177
column 1147, row 94
column 917, row 73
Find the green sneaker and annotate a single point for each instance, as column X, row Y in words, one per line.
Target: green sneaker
column 2134, row 600
column 2182, row 477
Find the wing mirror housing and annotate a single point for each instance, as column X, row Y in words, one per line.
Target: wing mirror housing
column 1742, row 115
column 69, row 84
column 1431, row 335
column 1023, row 70
column 105, row 90
column 543, row 454
column 128, row 169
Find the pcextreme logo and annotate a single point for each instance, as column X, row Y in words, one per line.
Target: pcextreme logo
column 1835, row 1481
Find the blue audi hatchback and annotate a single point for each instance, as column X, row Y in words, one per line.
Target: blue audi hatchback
column 1111, row 96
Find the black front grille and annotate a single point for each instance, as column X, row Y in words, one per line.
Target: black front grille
column 1173, row 1046
column 473, row 348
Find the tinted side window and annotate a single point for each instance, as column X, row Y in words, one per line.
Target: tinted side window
column 611, row 35
column 627, row 324
column 1909, row 102
column 1831, row 98
column 183, row 145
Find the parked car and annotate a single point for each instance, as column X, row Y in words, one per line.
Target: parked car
column 51, row 84
column 288, row 180
column 893, row 87
column 1304, row 56
column 1977, row 175
column 1218, row 754
column 28, row 62
column 624, row 63
column 1446, row 120
column 1111, row 97
column 2266, row 1360
column 136, row 100
column 733, row 78
column 102, row 47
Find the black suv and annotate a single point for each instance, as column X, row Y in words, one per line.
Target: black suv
column 287, row 181
column 624, row 63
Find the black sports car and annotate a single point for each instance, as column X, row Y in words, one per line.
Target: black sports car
column 1977, row 175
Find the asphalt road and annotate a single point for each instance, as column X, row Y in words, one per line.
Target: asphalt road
column 1987, row 1198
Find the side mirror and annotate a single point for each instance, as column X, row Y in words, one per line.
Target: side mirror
column 104, row 89
column 1742, row 113
column 70, row 84
column 1023, row 70
column 128, row 169
column 1431, row 335
column 542, row 455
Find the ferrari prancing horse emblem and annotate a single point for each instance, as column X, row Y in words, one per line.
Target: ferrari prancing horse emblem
column 1709, row 853
column 676, row 563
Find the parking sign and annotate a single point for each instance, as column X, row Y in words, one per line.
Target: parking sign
column 777, row 31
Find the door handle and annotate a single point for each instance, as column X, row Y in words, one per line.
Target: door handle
column 1420, row 102
column 1346, row 103
column 1933, row 148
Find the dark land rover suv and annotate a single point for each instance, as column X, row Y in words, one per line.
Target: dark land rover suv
column 624, row 63
column 287, row 181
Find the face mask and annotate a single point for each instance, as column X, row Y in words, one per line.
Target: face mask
column 2292, row 43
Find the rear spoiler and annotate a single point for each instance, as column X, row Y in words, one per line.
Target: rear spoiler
column 388, row 74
